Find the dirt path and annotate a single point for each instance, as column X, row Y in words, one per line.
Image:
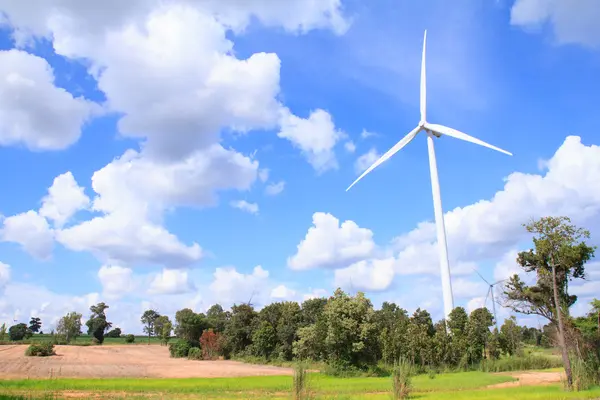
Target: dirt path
column 529, row 379
column 119, row 361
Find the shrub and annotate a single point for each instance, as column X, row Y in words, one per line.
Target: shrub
column 95, row 341
column 114, row 333
column 300, row 382
column 179, row 349
column 17, row 332
column 520, row 364
column 40, row 350
column 211, row 344
column 401, row 379
column 129, row 338
column 194, row 353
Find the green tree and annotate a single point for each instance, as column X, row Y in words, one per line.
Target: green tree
column 17, row 332
column 148, row 318
column 264, row 340
column 478, row 330
column 559, row 255
column 190, row 325
column 510, row 336
column 589, row 324
column 3, row 330
column 114, row 333
column 69, row 326
column 167, row 327
column 239, row 331
column 97, row 323
column 35, row 324
column 217, row 318
column 159, row 324
column 287, row 328
column 351, row 330
column 312, row 310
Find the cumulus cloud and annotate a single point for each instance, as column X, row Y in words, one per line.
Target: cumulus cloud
column 282, row 292
column 65, row 197
column 34, row 112
column 274, row 189
column 116, row 281
column 232, row 287
column 572, row 22
column 4, row 274
column 331, row 244
column 31, row 231
column 171, row 281
column 366, row 160
column 243, row 205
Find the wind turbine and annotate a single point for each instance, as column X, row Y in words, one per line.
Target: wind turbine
column 491, row 291
column 432, row 130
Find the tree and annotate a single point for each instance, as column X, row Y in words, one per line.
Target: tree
column 217, row 318
column 114, row 333
column 510, row 336
column 241, row 326
column 210, row 342
column 17, row 332
column 589, row 324
column 148, row 319
column 97, row 323
column 478, row 330
column 189, row 325
column 559, row 255
column 159, row 325
column 166, row 328
column 35, row 324
column 3, row 332
column 69, row 326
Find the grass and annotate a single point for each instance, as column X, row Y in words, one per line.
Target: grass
column 86, row 340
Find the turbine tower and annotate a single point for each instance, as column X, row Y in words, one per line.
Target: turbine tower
column 432, row 130
column 491, row 291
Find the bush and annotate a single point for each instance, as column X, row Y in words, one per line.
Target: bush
column 95, row 341
column 179, row 349
column 129, row 338
column 114, row 333
column 401, row 379
column 211, row 344
column 300, row 382
column 17, row 332
column 194, row 353
column 40, row 350
column 519, row 364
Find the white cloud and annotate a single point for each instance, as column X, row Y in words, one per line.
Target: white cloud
column 572, row 21
column 366, row 160
column 243, row 205
column 4, row 275
column 65, row 197
column 282, row 292
column 466, row 288
column 171, row 281
column 315, row 136
column 33, row 111
column 116, row 281
column 315, row 293
column 350, row 146
column 365, row 134
column 31, row 231
column 263, row 174
column 329, row 244
column 231, row 287
column 274, row 189
column 371, row 275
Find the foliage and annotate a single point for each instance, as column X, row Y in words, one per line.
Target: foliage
column 402, row 379
column 17, row 332
column 166, row 329
column 194, row 353
column 97, row 323
column 35, row 324
column 180, row 349
column 510, row 337
column 3, row 330
column 300, row 387
column 129, row 338
column 217, row 318
column 40, row 350
column 114, row 333
column 69, row 326
column 148, row 318
column 189, row 324
column 211, row 343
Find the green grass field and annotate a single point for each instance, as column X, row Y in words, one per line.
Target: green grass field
column 466, row 385
column 87, row 339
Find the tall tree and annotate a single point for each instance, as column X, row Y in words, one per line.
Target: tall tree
column 69, row 326
column 97, row 323
column 217, row 318
column 148, row 318
column 35, row 324
column 190, row 324
column 559, row 255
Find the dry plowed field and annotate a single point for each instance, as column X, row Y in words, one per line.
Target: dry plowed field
column 114, row 361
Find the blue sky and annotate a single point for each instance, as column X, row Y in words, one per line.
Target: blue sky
column 194, row 142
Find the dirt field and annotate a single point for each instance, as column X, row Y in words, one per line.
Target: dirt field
column 529, row 379
column 114, row 361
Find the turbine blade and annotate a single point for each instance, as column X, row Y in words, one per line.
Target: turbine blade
column 444, row 130
column 500, row 281
column 403, row 142
column 486, row 297
column 424, row 81
column 482, row 277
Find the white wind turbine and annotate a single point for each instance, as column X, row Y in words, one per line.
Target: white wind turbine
column 491, row 292
column 437, row 131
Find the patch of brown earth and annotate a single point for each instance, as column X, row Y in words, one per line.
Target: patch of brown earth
column 121, row 361
column 529, row 379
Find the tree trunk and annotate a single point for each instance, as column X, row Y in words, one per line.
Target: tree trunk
column 561, row 332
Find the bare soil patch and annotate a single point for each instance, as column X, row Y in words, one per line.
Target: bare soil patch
column 121, row 361
column 529, row 379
